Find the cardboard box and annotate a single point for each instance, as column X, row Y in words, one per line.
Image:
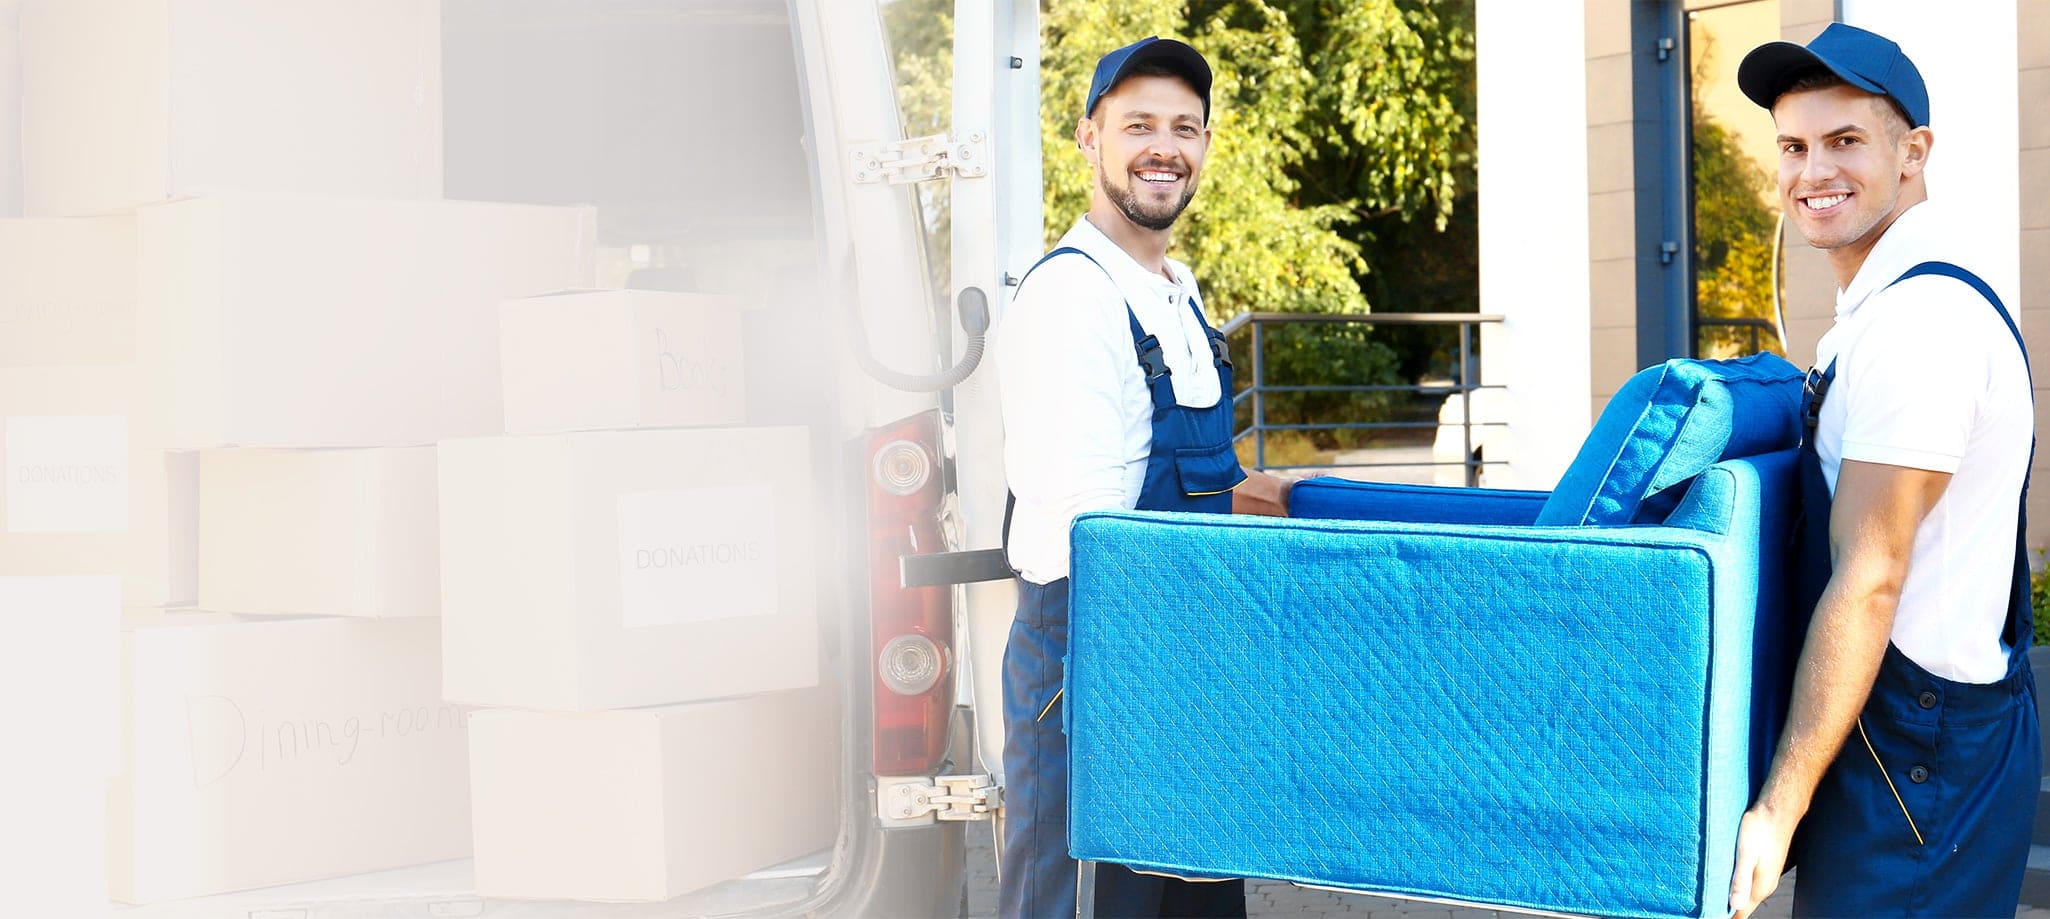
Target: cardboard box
column 81, row 495
column 598, row 360
column 128, row 102
column 53, row 847
column 60, row 678
column 60, row 675
column 619, row 569
column 650, row 804
column 10, row 113
column 332, row 532
column 274, row 751
column 67, row 291
column 280, row 321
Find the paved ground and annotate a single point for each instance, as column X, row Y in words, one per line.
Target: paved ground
column 1272, row 898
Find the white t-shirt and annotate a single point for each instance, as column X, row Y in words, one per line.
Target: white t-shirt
column 1078, row 418
column 1928, row 377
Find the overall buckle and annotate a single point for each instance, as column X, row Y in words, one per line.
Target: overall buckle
column 1151, row 360
column 1813, row 388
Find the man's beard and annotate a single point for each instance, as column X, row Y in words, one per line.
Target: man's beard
column 1127, row 201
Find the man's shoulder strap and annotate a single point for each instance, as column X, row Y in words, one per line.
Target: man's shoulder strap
column 1050, row 256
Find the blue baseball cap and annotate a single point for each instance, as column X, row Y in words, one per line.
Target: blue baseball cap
column 1865, row 60
column 1183, row 60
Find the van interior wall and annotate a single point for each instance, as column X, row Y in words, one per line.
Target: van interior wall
column 681, row 122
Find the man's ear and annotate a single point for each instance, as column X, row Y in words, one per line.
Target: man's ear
column 1915, row 147
column 1085, row 138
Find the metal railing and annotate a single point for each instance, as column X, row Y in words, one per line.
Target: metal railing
column 1464, row 384
column 1759, row 328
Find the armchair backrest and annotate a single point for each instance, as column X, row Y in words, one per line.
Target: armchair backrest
column 1666, row 425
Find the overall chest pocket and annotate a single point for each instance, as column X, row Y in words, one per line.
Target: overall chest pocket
column 1204, row 471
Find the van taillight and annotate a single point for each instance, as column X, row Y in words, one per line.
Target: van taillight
column 912, row 629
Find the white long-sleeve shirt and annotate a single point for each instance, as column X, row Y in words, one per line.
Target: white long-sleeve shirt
column 1078, row 418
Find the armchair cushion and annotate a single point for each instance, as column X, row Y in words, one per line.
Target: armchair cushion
column 1330, row 497
column 1666, row 425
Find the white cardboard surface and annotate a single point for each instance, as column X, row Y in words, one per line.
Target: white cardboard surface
column 128, row 102
column 60, row 678
column 597, row 360
column 695, row 554
column 67, row 291
column 654, row 803
column 67, row 473
column 535, row 604
column 69, row 527
column 331, row 532
column 267, row 752
column 292, row 321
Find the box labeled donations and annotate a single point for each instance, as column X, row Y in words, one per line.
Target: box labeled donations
column 617, row 569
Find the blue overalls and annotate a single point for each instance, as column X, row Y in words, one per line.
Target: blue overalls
column 1191, row 468
column 1927, row 810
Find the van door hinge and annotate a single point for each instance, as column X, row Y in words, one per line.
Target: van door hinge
column 1666, row 46
column 948, row 798
column 919, row 159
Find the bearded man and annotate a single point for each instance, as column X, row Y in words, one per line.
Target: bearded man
column 1116, row 393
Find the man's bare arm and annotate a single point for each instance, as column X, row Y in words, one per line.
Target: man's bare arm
column 1872, row 525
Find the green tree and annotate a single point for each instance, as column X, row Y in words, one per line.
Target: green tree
column 1342, row 166
column 1733, row 234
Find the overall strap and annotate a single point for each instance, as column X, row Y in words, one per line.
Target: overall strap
column 1814, row 388
column 2019, row 631
column 1152, row 362
column 1064, row 250
column 1220, row 356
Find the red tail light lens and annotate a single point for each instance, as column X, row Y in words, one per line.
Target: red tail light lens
column 912, row 630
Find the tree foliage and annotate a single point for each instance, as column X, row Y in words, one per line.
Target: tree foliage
column 1733, row 234
column 1341, row 166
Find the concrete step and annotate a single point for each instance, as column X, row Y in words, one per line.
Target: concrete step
column 2041, row 834
column 2036, row 882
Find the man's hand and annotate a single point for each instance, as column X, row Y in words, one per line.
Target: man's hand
column 1266, row 493
column 1262, row 494
column 1762, row 841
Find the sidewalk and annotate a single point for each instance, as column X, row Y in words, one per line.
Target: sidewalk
column 1275, row 898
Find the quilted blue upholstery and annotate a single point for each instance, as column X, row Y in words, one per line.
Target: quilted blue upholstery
column 1664, row 426
column 1568, row 719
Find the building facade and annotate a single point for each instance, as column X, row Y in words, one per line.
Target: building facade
column 1628, row 206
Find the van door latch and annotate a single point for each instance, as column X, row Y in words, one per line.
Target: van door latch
column 920, row 159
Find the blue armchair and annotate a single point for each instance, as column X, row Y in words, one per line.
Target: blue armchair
column 1557, row 701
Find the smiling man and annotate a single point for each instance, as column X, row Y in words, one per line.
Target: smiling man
column 1910, row 759
column 1116, row 394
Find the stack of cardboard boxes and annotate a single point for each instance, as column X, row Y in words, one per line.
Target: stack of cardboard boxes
column 236, row 320
column 638, row 598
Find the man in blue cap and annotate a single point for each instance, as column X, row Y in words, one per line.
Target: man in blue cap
column 1910, row 760
column 1116, row 394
